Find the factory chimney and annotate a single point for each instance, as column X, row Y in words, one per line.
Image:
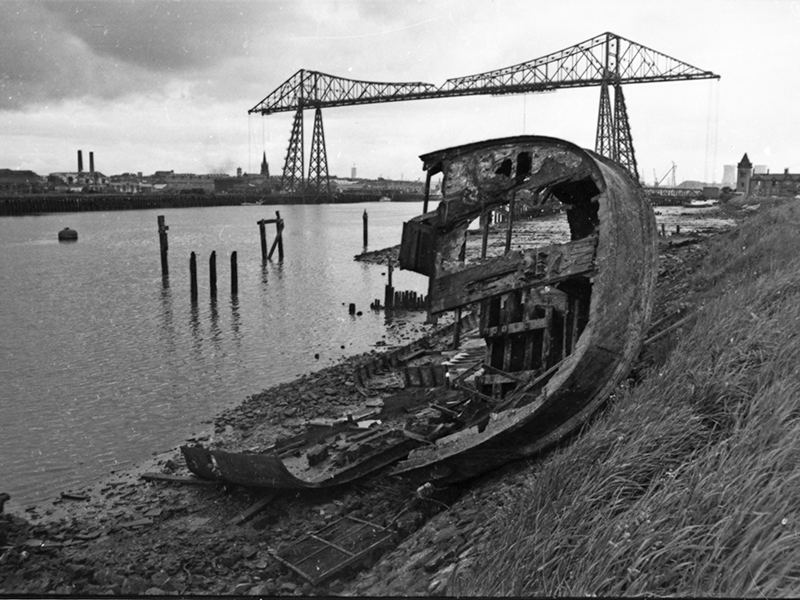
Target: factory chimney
column 80, row 162
column 91, row 163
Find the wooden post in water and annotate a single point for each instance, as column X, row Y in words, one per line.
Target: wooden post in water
column 193, row 276
column 234, row 274
column 278, row 237
column 365, row 217
column 212, row 273
column 388, row 296
column 162, row 238
column 262, row 230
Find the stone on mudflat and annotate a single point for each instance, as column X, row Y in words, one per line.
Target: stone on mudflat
column 154, row 591
column 241, row 589
column 160, row 579
column 408, row 523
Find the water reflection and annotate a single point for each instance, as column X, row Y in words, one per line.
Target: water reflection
column 194, row 323
column 137, row 373
column 216, row 332
column 236, row 320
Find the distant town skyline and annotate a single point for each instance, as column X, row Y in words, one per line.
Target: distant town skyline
column 166, row 85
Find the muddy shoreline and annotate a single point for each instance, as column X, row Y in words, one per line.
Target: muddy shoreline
column 127, row 536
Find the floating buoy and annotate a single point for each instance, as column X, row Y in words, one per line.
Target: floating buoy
column 67, row 235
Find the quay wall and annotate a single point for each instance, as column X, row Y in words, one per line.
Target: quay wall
column 31, row 204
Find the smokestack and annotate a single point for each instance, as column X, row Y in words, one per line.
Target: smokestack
column 91, row 163
column 80, row 162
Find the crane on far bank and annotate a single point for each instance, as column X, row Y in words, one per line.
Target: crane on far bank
column 671, row 170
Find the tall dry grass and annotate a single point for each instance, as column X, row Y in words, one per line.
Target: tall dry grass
column 689, row 483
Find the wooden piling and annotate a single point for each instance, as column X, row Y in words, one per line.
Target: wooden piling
column 262, row 230
column 193, row 276
column 278, row 236
column 365, row 218
column 212, row 273
column 164, row 243
column 234, row 274
column 388, row 295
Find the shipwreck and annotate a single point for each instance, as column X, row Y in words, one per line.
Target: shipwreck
column 542, row 333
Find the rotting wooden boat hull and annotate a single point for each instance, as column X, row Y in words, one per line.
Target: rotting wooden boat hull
column 603, row 202
column 563, row 323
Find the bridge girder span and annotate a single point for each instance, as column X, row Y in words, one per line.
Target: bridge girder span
column 604, row 60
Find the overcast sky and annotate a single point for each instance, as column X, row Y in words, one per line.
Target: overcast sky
column 165, row 85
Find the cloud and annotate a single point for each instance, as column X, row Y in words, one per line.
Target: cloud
column 65, row 49
column 162, row 36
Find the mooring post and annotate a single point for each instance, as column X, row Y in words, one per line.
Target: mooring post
column 162, row 238
column 663, row 232
column 212, row 273
column 280, row 235
column 263, row 231
column 677, row 229
column 365, row 217
column 278, row 243
column 234, row 274
column 193, row 276
column 388, row 296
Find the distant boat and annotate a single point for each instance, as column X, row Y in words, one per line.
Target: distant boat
column 385, row 199
column 701, row 203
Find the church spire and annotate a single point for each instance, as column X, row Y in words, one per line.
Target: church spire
column 264, row 165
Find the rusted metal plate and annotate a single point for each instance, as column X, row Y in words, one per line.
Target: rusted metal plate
column 345, row 542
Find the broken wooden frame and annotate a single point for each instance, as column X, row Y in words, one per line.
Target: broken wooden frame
column 562, row 323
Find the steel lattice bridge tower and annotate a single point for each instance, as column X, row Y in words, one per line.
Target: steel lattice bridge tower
column 607, row 60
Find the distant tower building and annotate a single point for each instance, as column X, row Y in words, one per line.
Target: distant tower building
column 239, row 171
column 729, row 175
column 353, row 172
column 744, row 171
column 264, row 166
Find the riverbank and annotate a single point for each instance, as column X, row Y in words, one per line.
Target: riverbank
column 129, row 536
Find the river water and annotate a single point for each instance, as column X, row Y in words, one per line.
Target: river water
column 101, row 364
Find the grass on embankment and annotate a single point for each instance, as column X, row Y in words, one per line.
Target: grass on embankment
column 689, row 483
